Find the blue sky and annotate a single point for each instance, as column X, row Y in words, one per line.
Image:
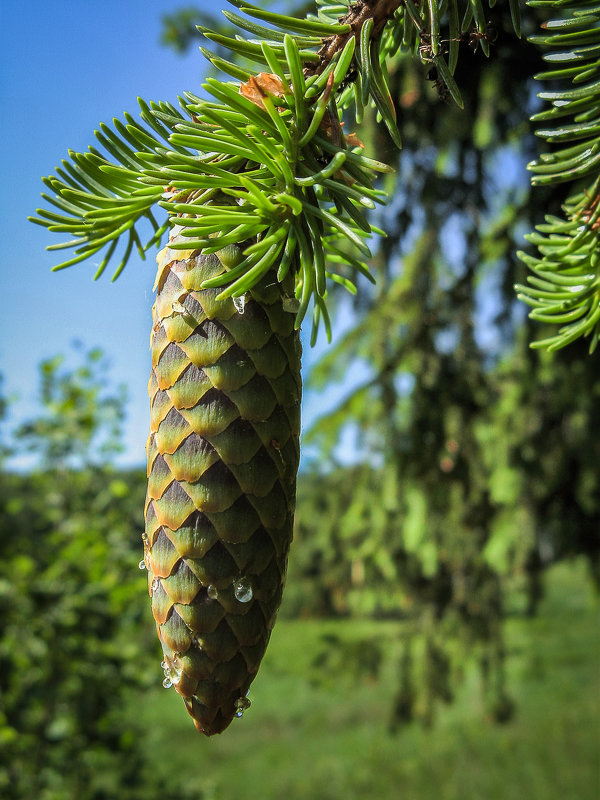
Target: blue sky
column 65, row 67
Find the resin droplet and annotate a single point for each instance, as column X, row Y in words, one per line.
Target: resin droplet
column 239, row 303
column 178, row 308
column 142, row 564
column 176, row 671
column 242, row 590
column 167, row 683
column 211, row 591
column 155, row 584
column 241, row 704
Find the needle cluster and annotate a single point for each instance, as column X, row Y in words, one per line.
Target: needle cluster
column 564, row 288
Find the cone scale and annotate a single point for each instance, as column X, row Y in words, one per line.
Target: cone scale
column 223, row 455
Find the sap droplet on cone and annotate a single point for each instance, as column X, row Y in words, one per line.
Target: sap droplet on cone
column 211, row 591
column 178, row 308
column 242, row 590
column 240, row 303
column 242, row 704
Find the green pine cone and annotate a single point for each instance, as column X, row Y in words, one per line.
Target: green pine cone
column 223, row 454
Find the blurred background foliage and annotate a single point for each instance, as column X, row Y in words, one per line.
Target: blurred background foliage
column 417, row 581
column 74, row 639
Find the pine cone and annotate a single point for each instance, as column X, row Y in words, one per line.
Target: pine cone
column 223, row 455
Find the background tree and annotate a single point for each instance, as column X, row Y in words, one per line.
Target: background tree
column 445, row 347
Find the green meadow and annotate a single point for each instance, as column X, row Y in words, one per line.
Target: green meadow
column 326, row 736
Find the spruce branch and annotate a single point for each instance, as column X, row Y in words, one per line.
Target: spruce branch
column 564, row 288
column 264, row 165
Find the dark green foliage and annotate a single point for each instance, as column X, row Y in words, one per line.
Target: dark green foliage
column 73, row 646
column 545, row 465
column 67, row 657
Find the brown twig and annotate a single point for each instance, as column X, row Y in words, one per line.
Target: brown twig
column 381, row 11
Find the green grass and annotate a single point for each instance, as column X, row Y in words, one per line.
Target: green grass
column 330, row 741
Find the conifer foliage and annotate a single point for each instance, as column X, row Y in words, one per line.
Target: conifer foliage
column 565, row 286
column 267, row 193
